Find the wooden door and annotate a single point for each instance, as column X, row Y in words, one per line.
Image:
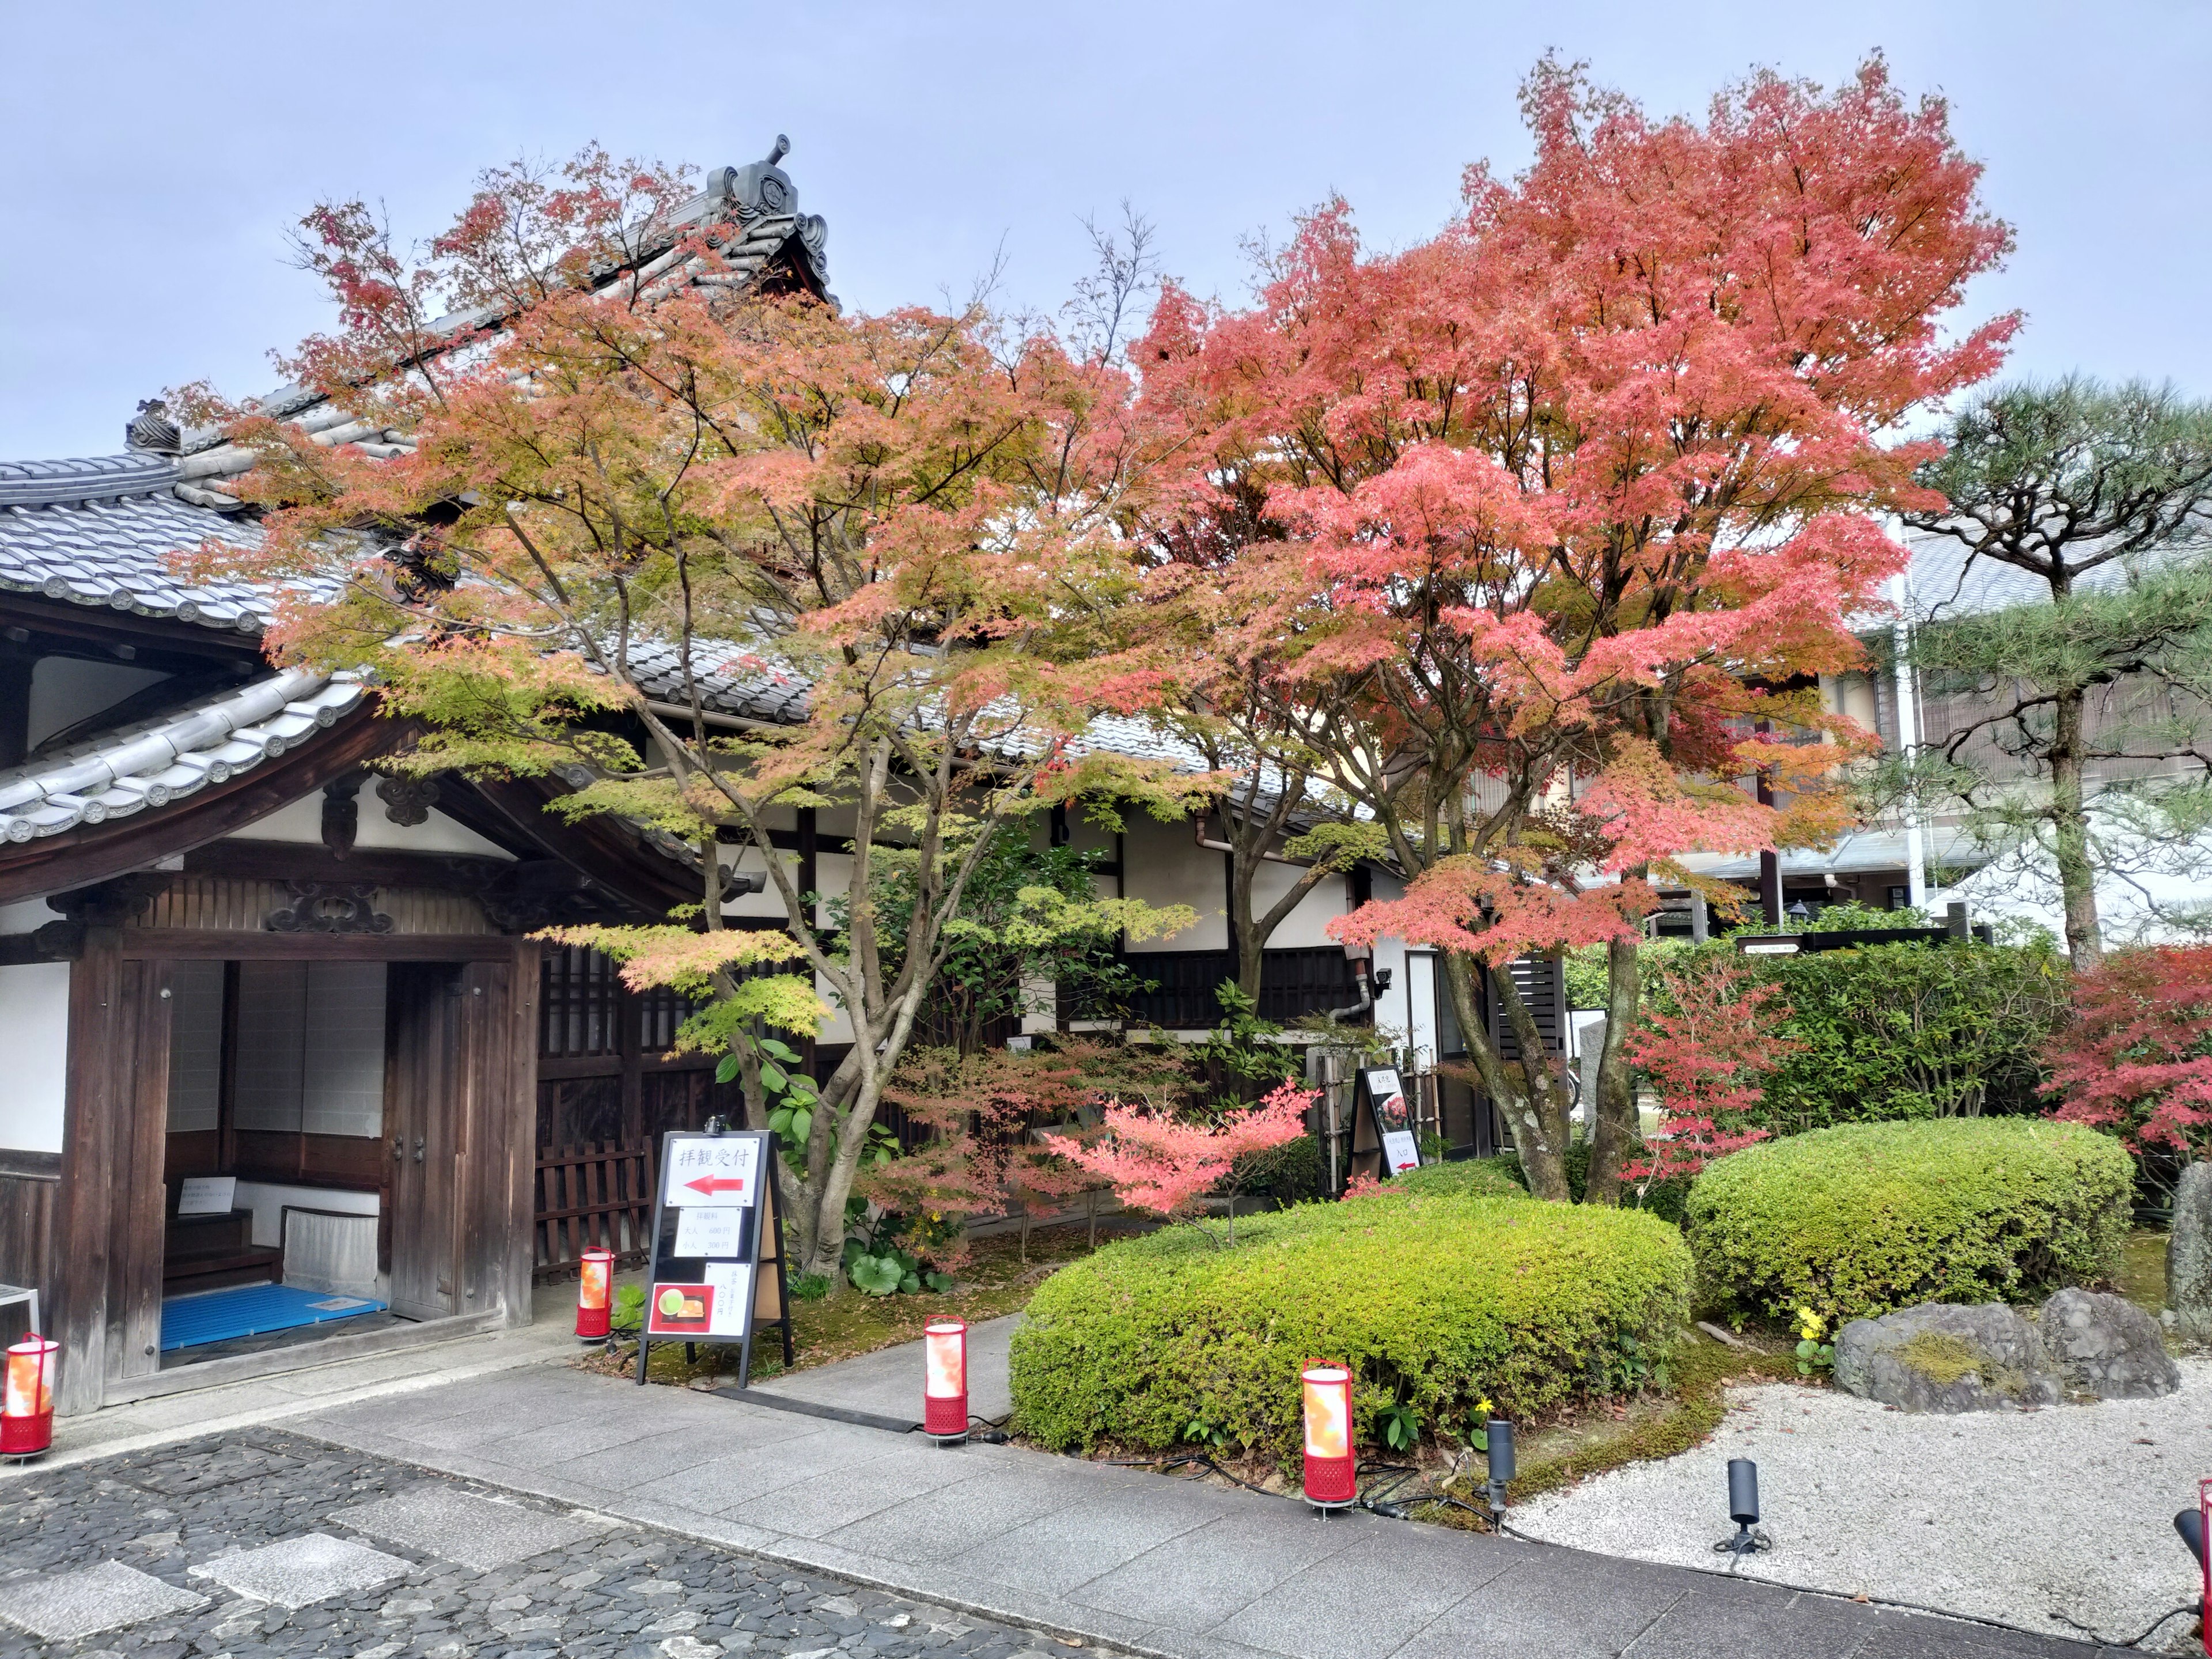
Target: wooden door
column 425, row 1081
column 139, row 1081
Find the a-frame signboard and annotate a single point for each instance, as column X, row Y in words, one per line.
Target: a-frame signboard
column 716, row 1271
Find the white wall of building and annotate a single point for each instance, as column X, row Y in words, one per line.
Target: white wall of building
column 34, row 1055
column 67, row 690
column 1163, row 864
column 1307, row 926
column 302, row 821
column 26, row 916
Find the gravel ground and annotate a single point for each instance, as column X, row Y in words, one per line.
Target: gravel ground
column 619, row 1591
column 2048, row 1521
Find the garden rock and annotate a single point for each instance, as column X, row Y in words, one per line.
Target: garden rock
column 2189, row 1255
column 2107, row 1345
column 1940, row 1357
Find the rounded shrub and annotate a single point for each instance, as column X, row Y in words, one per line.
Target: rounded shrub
column 1434, row 1302
column 1857, row 1220
column 1474, row 1178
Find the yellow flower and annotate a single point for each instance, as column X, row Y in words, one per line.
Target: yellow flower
column 1482, row 1405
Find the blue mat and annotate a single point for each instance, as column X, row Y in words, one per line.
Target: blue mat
column 189, row 1321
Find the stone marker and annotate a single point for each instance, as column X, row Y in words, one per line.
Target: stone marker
column 61, row 1607
column 2189, row 1255
column 1942, row 1357
column 2107, row 1345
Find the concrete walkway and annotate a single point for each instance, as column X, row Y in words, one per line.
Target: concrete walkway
column 888, row 1383
column 1089, row 1551
column 146, row 1423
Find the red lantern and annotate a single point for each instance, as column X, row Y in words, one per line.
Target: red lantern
column 1332, row 1478
column 945, row 1379
column 2204, row 1602
column 27, row 1398
column 595, row 1284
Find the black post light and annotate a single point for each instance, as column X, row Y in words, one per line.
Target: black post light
column 1497, row 1451
column 1743, row 1509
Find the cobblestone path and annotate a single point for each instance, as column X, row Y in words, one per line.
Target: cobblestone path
column 260, row 1544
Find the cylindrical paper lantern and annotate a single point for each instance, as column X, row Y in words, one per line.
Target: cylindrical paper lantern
column 27, row 1398
column 945, row 1379
column 1331, row 1473
column 595, row 1284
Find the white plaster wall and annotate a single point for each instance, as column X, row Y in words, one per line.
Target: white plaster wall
column 749, row 860
column 26, row 916
column 1163, row 865
column 267, row 1200
column 66, row 689
column 1306, row 925
column 34, row 1055
column 302, row 821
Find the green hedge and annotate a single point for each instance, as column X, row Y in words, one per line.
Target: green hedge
column 1437, row 1302
column 1856, row 1221
column 1891, row 1031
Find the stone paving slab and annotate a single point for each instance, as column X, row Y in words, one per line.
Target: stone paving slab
column 297, row 1572
column 612, row 1591
column 1061, row 1544
column 63, row 1607
column 888, row 1383
column 461, row 1527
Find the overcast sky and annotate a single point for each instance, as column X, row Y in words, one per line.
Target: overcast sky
column 155, row 155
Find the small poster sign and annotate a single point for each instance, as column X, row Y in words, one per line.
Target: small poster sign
column 207, row 1195
column 1393, row 1116
column 716, row 1269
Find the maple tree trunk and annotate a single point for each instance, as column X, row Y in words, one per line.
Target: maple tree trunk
column 1614, row 1130
column 2070, row 816
column 1546, row 1103
column 1540, row 1145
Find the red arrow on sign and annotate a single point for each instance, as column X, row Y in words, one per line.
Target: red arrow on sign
column 712, row 1184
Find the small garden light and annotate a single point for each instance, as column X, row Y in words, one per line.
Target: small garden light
column 944, row 1380
column 595, row 1283
column 1497, row 1451
column 27, row 1398
column 1332, row 1479
column 1743, row 1509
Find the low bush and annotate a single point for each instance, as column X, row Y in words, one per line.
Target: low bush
column 1436, row 1303
column 1474, row 1178
column 1856, row 1221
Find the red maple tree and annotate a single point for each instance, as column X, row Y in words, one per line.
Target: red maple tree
column 1166, row 1163
column 2136, row 1058
column 1537, row 521
column 1708, row 1038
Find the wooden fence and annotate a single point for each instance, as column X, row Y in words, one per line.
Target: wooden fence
column 598, row 1193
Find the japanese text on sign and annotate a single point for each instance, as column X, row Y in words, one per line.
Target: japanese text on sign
column 721, row 1171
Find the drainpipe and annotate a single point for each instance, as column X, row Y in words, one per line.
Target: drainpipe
column 1908, row 735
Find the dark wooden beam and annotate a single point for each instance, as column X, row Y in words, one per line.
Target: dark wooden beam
column 181, row 942
column 100, row 628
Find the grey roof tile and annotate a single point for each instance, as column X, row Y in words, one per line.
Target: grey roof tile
column 151, row 763
column 67, row 533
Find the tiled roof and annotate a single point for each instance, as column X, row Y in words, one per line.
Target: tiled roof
column 100, row 532
column 1946, row 581
column 153, row 762
column 748, row 216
